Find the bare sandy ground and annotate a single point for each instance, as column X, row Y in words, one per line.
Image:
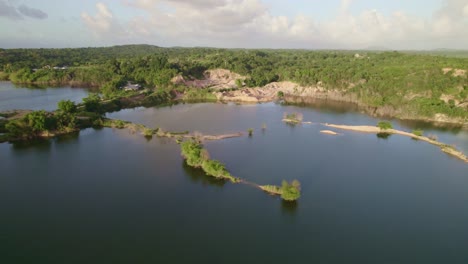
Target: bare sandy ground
column 373, row 129
column 328, row 132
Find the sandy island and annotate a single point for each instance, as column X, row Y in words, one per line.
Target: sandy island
column 451, row 150
column 328, row 132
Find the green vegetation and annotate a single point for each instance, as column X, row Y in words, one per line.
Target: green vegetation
column 273, row 189
column 92, row 103
column 196, row 156
column 405, row 83
column 293, row 118
column 250, row 131
column 418, row 132
column 37, row 123
column 67, row 106
column 197, row 94
column 384, row 125
column 290, row 191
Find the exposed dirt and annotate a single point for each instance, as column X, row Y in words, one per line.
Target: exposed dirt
column 455, row 72
column 215, row 79
column 295, row 93
column 451, row 150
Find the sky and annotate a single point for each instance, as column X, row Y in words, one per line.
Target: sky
column 312, row 24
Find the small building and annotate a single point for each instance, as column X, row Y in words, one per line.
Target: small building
column 131, row 87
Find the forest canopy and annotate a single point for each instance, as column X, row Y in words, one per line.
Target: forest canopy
column 416, row 81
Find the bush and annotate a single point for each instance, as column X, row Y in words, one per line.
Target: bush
column 66, row 106
column 92, row 103
column 215, row 168
column 418, row 132
column 191, row 151
column 384, row 125
column 250, row 131
column 290, row 191
column 293, row 117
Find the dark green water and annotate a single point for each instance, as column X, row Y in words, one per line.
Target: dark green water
column 109, row 196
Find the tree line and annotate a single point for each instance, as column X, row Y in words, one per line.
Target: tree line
column 396, row 79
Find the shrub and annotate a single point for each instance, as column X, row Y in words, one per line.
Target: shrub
column 66, row 106
column 250, row 131
column 290, row 191
column 384, row 125
column 280, row 94
column 191, row 151
column 92, row 103
column 418, row 132
column 293, row 117
column 215, row 168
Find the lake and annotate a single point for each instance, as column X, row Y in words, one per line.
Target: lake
column 112, row 196
column 20, row 97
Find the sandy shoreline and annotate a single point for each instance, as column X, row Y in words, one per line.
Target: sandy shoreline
column 375, row 130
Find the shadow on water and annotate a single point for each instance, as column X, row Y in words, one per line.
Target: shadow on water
column 289, row 208
column 67, row 138
column 199, row 176
column 424, row 125
column 383, row 135
column 323, row 105
column 37, row 144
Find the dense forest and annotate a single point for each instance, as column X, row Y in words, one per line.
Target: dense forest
column 424, row 84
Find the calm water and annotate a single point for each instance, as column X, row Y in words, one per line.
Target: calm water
column 113, row 196
column 17, row 97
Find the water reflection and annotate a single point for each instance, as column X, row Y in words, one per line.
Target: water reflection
column 37, row 144
column 198, row 175
column 424, row 125
column 67, row 138
column 324, row 105
column 383, row 135
column 289, row 208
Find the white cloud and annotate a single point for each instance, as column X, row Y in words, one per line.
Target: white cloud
column 465, row 10
column 249, row 23
column 105, row 26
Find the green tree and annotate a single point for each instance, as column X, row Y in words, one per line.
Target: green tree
column 66, row 106
column 384, row 125
column 37, row 121
column 290, row 191
column 92, row 103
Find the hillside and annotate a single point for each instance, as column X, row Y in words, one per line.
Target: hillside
column 405, row 85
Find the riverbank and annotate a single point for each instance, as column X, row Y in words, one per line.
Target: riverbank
column 292, row 93
column 450, row 150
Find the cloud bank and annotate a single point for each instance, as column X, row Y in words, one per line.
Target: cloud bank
column 250, row 24
column 9, row 11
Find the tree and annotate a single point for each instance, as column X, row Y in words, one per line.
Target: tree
column 66, row 106
column 290, row 191
column 37, row 121
column 93, row 103
column 384, row 125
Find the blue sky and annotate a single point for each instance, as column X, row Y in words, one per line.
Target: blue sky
column 314, row 24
